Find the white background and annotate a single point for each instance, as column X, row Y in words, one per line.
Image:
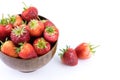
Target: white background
column 95, row 21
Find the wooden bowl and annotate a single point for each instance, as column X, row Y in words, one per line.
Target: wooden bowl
column 29, row 65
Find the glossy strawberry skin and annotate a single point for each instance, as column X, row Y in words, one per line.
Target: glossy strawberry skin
column 27, row 51
column 51, row 34
column 48, row 23
column 69, row 57
column 83, row 51
column 35, row 28
column 8, row 29
column 41, row 46
column 29, row 14
column 2, row 33
column 9, row 49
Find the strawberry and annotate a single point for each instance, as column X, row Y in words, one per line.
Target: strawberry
column 69, row 56
column 51, row 34
column 48, row 23
column 41, row 46
column 16, row 20
column 35, row 27
column 19, row 34
column 8, row 29
column 27, row 51
column 85, row 50
column 2, row 33
column 5, row 28
column 29, row 13
column 9, row 49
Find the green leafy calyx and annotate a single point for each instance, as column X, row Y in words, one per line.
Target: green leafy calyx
column 41, row 43
column 12, row 18
column 92, row 48
column 62, row 51
column 50, row 30
column 33, row 23
column 4, row 21
column 19, row 31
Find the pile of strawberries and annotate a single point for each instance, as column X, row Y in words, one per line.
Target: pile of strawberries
column 70, row 56
column 26, row 35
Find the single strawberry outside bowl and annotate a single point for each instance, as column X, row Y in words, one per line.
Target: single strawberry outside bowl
column 29, row 65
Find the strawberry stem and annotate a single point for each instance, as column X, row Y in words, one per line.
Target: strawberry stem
column 25, row 6
column 92, row 48
column 63, row 51
column 12, row 19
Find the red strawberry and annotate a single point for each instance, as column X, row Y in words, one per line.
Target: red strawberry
column 16, row 20
column 48, row 23
column 9, row 49
column 5, row 28
column 19, row 34
column 41, row 46
column 27, row 51
column 51, row 34
column 29, row 13
column 2, row 33
column 69, row 56
column 35, row 27
column 8, row 29
column 84, row 50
